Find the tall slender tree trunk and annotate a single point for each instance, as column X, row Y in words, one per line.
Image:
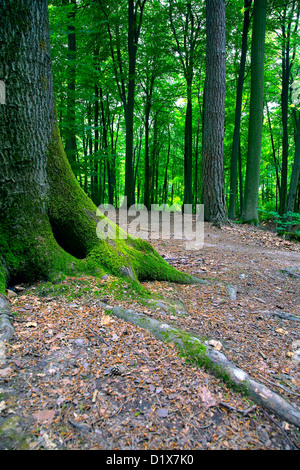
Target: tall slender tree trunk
column 96, row 159
column 273, row 151
column 241, row 193
column 165, row 187
column 147, row 184
column 286, row 68
column 238, row 109
column 188, row 147
column 250, row 207
column 129, row 112
column 214, row 114
column 291, row 199
column 71, row 143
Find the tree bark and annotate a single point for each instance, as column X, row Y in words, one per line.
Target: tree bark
column 147, row 184
column 291, row 200
column 214, row 114
column 286, row 69
column 250, row 206
column 188, row 148
column 71, row 144
column 132, row 48
column 238, row 108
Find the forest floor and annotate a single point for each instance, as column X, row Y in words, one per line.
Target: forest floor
column 57, row 384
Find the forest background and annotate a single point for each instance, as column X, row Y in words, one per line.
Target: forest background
column 98, row 77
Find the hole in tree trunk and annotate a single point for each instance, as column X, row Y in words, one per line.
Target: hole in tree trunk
column 68, row 240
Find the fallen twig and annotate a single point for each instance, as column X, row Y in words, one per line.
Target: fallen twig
column 281, row 429
column 102, row 340
column 280, row 386
column 79, row 426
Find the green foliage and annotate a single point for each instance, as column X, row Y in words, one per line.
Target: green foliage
column 287, row 225
column 101, row 28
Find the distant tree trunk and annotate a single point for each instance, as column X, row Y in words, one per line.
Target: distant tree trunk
column 214, row 114
column 187, row 42
column 147, row 185
column 134, row 26
column 286, row 69
column 188, row 147
column 95, row 177
column 71, row 144
column 241, row 193
column 109, row 169
column 195, row 202
column 250, row 207
column 132, row 48
column 273, row 151
column 165, row 187
column 135, row 16
column 291, row 200
column 238, row 108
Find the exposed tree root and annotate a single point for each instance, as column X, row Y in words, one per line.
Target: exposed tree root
column 203, row 355
column 216, row 362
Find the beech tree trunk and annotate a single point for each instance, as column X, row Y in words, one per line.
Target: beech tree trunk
column 250, row 207
column 214, row 114
column 71, row 143
column 238, row 108
column 48, row 224
column 291, row 200
column 188, row 148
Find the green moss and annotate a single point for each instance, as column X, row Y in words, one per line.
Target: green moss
column 196, row 352
column 72, row 214
column 2, row 279
column 42, row 44
column 12, row 435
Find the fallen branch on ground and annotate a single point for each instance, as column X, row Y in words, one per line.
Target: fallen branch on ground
column 216, row 361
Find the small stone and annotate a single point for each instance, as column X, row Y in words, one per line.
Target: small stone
column 296, row 344
column 82, row 342
column 296, row 356
column 2, row 353
column 127, row 272
column 215, row 344
column 10, row 294
column 6, row 329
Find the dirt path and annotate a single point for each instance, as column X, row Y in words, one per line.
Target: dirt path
column 58, row 387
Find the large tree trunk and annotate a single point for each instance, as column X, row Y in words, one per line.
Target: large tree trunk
column 250, row 207
column 214, row 114
column 48, row 224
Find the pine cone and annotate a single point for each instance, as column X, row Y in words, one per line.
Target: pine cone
column 117, row 370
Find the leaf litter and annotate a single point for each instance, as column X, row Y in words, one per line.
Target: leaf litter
column 83, row 379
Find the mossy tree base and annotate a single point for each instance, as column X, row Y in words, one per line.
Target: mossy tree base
column 64, row 239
